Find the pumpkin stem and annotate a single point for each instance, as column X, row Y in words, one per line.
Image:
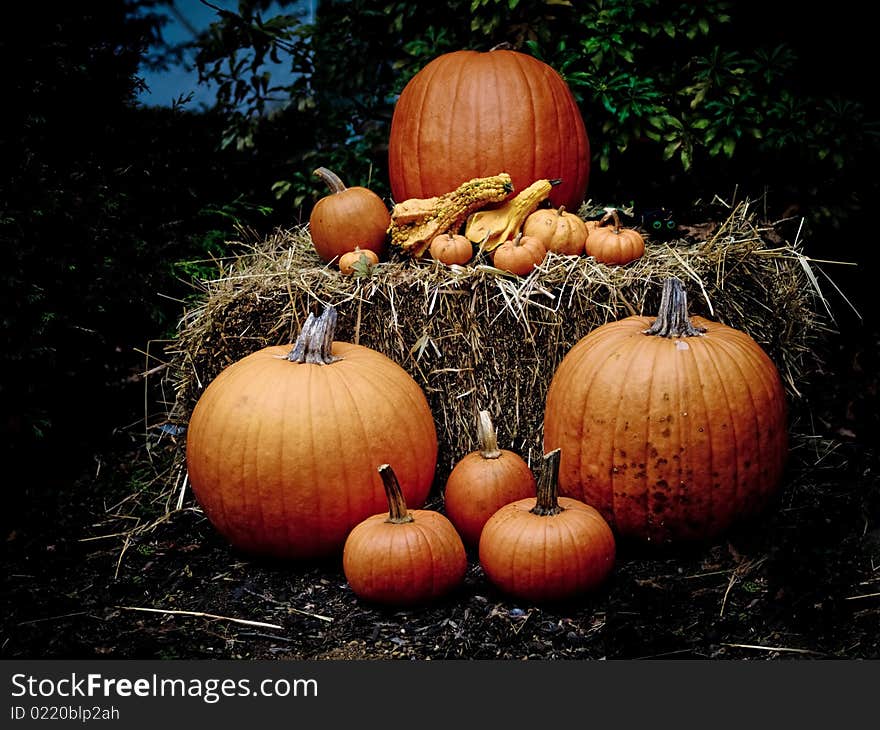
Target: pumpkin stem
column 517, row 238
column 561, row 210
column 610, row 214
column 397, row 511
column 315, row 340
column 547, row 502
column 334, row 182
column 503, row 46
column 672, row 319
column 487, row 437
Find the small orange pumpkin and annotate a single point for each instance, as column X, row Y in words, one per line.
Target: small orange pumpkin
column 346, row 218
column 451, row 248
column 614, row 245
column 348, row 260
column 519, row 255
column 559, row 230
column 484, row 481
column 547, row 548
column 403, row 557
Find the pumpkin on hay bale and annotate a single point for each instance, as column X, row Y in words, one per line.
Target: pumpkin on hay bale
column 475, row 338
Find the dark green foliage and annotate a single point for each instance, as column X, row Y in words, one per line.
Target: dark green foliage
column 708, row 96
column 100, row 200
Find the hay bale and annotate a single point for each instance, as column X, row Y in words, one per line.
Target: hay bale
column 475, row 338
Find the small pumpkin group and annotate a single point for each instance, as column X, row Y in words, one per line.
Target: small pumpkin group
column 532, row 545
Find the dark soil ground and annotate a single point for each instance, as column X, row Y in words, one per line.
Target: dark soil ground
column 800, row 582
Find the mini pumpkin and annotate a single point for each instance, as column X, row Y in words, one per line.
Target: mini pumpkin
column 270, row 453
column 672, row 428
column 483, row 481
column 559, row 230
column 364, row 257
column 614, row 244
column 520, row 255
column 451, row 248
column 547, row 548
column 346, row 218
column 403, row 557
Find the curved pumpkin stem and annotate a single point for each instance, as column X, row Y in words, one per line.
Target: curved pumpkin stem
column 503, row 46
column 397, row 511
column 673, row 319
column 487, row 437
column 315, row 340
column 547, row 502
column 334, row 182
column 611, row 214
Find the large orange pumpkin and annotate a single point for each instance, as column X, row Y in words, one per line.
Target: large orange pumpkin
column 672, row 430
column 283, row 445
column 469, row 114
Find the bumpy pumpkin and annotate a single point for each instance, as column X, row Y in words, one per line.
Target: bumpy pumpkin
column 520, row 255
column 451, row 248
column 614, row 244
column 672, row 429
column 496, row 224
column 403, row 557
column 346, row 218
column 282, row 446
column 483, row 481
column 470, row 114
column 547, row 548
column 559, row 231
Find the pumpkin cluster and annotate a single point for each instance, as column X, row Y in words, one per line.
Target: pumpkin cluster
column 660, row 429
column 459, row 192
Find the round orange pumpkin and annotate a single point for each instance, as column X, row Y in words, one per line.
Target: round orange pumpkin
column 614, row 244
column 282, row 446
column 547, row 548
column 349, row 260
column 348, row 218
column 671, row 429
column 470, row 114
column 559, row 230
column 451, row 248
column 403, row 557
column 519, row 255
column 484, row 481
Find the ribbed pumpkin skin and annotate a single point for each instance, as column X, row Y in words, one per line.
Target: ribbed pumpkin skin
column 614, row 248
column 670, row 439
column 282, row 456
column 478, row 487
column 341, row 221
column 404, row 564
column 469, row 114
column 546, row 558
column 559, row 231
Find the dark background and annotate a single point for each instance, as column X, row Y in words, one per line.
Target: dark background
column 111, row 210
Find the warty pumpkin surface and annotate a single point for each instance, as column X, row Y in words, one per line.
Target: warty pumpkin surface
column 283, row 446
column 672, row 427
column 470, row 114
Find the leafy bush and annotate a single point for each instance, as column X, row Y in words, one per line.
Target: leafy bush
column 700, row 95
